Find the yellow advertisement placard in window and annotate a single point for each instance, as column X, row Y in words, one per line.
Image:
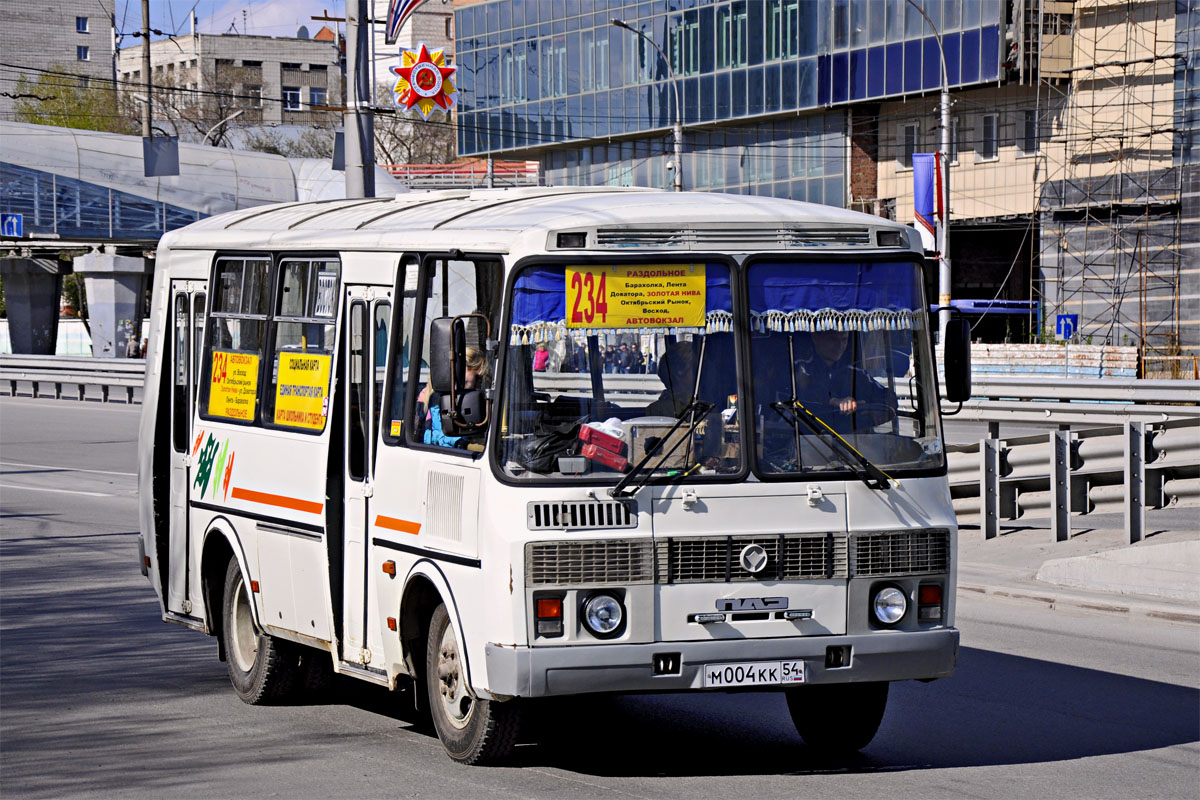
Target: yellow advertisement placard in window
column 636, row 296
column 302, row 391
column 233, row 385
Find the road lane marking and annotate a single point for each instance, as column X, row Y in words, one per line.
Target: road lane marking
column 64, row 491
column 69, row 469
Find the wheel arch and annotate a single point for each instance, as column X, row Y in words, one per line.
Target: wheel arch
column 221, row 543
column 425, row 586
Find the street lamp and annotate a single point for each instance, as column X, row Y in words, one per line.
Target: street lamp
column 944, row 244
column 230, row 118
column 677, row 127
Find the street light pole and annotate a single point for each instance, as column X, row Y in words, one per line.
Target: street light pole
column 944, row 168
column 147, row 113
column 677, row 127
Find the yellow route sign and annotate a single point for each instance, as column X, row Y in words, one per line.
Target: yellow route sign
column 641, row 296
column 233, row 385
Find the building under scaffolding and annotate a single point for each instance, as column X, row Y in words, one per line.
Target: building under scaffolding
column 1117, row 207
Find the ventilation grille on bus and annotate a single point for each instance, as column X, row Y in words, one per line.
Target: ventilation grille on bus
column 581, row 514
column 613, row 561
column 742, row 237
column 444, row 493
column 900, row 553
column 716, row 559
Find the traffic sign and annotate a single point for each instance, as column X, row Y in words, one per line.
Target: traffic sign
column 1066, row 326
column 12, row 225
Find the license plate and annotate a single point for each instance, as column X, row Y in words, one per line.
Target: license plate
column 753, row 673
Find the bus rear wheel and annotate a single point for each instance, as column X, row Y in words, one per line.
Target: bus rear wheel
column 473, row 730
column 837, row 719
column 261, row 668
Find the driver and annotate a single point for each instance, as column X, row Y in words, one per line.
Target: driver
column 832, row 386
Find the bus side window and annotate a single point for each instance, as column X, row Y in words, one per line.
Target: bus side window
column 237, row 325
column 457, row 288
column 180, row 411
column 197, row 339
column 356, row 443
column 395, row 389
column 379, row 329
column 303, row 332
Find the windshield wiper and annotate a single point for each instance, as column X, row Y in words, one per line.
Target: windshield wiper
column 867, row 472
column 693, row 412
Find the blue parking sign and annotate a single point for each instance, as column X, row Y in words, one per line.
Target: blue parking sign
column 12, row 225
column 1066, row 326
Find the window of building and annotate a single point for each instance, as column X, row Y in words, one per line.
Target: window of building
column 83, row 53
column 254, row 94
column 317, row 96
column 731, row 35
column 247, row 64
column 291, row 98
column 81, row 24
column 289, row 65
column 601, row 62
column 908, row 143
column 988, row 144
column 318, row 67
column 1028, row 140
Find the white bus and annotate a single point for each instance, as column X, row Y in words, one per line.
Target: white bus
column 517, row 444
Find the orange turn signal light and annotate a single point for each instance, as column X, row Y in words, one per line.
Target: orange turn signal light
column 254, row 586
column 391, row 623
column 147, row 561
column 549, row 608
column 389, row 568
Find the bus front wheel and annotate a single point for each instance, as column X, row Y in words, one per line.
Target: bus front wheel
column 261, row 667
column 473, row 730
column 837, row 719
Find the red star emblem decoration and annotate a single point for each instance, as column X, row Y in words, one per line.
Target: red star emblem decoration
column 423, row 80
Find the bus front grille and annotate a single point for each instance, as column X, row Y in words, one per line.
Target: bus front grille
column 717, row 559
column 605, row 561
column 569, row 515
column 888, row 553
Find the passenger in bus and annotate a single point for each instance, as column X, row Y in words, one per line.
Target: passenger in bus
column 677, row 371
column 832, row 384
column 430, row 403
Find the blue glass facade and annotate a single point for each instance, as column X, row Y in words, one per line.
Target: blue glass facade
column 534, row 73
column 68, row 207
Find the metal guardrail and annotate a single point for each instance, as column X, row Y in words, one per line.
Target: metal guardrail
column 81, row 372
column 1033, row 399
column 1130, row 467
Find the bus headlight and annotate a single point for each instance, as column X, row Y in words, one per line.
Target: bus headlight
column 603, row 615
column 889, row 605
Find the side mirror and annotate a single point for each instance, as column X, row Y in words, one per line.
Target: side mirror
column 442, row 359
column 957, row 358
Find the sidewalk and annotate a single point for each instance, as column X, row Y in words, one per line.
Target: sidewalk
column 1096, row 570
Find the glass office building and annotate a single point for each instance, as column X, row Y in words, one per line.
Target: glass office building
column 764, row 84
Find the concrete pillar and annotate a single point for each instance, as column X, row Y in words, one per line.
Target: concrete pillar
column 116, row 288
column 32, row 287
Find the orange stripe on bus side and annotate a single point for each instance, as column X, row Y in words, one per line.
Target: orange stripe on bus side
column 279, row 500
column 393, row 524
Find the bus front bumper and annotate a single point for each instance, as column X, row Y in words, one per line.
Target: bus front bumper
column 548, row 671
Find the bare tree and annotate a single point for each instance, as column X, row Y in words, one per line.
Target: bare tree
column 401, row 138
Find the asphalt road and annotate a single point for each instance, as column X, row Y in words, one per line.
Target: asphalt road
column 99, row 698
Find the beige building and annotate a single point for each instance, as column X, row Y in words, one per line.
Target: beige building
column 200, row 79
column 73, row 36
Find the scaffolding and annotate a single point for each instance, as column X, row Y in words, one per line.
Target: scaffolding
column 1109, row 192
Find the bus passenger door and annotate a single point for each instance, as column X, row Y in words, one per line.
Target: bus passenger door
column 367, row 319
column 187, row 326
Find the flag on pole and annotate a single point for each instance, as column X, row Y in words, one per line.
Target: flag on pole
column 398, row 13
column 928, row 208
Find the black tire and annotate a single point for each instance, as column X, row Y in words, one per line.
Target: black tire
column 261, row 668
column 838, row 719
column 473, row 730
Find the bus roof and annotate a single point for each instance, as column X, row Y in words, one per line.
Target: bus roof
column 504, row 219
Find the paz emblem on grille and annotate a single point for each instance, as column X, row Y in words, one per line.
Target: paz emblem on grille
column 753, row 558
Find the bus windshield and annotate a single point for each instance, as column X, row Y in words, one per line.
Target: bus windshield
column 841, row 368
column 612, row 366
column 620, row 369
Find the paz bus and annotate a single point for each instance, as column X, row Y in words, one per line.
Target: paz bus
column 501, row 446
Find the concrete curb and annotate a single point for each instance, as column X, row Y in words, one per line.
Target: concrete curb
column 1128, row 606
